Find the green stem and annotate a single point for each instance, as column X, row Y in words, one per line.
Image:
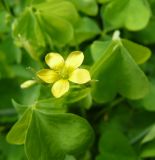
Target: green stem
column 76, row 44
column 109, row 107
column 115, row 102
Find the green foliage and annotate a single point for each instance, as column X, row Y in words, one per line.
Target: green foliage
column 117, row 147
column 59, row 128
column 39, row 23
column 126, row 14
column 109, row 118
column 85, row 29
column 131, row 81
column 65, row 134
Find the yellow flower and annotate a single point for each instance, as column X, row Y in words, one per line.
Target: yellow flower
column 61, row 72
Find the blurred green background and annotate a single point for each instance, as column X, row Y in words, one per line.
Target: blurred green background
column 124, row 127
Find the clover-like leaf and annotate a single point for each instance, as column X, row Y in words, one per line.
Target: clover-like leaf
column 56, row 135
column 44, row 23
column 18, row 132
column 56, row 18
column 134, row 15
column 117, row 71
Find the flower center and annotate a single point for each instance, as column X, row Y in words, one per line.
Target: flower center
column 64, row 73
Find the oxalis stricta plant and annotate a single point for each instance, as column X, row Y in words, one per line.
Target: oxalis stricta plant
column 51, row 115
column 81, row 77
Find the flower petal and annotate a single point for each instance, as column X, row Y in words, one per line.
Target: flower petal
column 60, row 88
column 54, row 61
column 74, row 60
column 48, row 75
column 80, row 76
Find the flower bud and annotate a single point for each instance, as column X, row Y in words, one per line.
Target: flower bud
column 27, row 84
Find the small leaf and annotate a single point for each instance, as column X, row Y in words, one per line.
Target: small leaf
column 18, row 132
